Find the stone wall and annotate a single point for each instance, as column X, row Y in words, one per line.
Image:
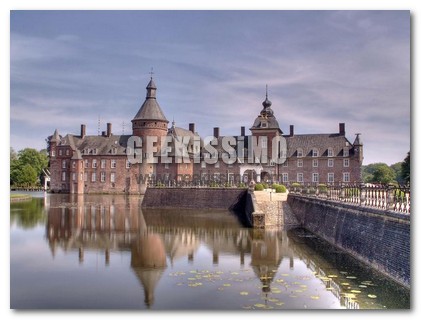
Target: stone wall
column 377, row 238
column 215, row 198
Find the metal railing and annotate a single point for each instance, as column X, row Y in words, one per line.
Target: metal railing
column 389, row 197
column 195, row 184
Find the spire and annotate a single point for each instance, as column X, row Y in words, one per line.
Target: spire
column 267, row 103
column 357, row 141
column 150, row 109
column 55, row 137
column 173, row 123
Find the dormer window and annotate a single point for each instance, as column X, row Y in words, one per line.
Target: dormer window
column 346, row 152
column 67, row 152
column 264, row 124
column 315, row 152
column 299, row 152
column 94, row 151
column 330, row 152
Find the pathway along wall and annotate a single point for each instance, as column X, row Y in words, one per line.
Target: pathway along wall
column 377, row 238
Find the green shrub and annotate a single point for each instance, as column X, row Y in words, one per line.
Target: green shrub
column 322, row 188
column 265, row 185
column 242, row 185
column 280, row 188
column 258, row 187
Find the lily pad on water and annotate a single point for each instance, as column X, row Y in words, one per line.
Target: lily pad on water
column 315, row 297
column 355, row 291
column 351, row 277
column 244, row 293
column 372, row 296
column 332, row 276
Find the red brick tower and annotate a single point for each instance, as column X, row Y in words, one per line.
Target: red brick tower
column 150, row 122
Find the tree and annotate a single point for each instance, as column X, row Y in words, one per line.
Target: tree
column 397, row 168
column 406, row 168
column 26, row 167
column 383, row 174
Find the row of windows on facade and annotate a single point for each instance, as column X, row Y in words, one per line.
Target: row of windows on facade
column 85, row 151
column 300, row 163
column 285, row 177
column 300, row 152
column 103, row 164
column 84, row 177
column 300, row 177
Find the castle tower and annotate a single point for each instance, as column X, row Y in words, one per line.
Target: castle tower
column 266, row 126
column 150, row 125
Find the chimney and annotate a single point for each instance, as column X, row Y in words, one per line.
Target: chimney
column 192, row 127
column 341, row 129
column 82, row 131
column 216, row 132
column 291, row 130
column 108, row 129
column 243, row 131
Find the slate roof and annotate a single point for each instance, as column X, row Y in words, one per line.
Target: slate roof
column 319, row 141
column 96, row 145
column 150, row 109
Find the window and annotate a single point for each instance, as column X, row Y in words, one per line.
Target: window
column 94, row 164
column 81, row 176
column 60, row 152
column 113, row 163
column 330, row 152
column 93, row 177
column 167, row 166
column 85, row 177
column 346, row 152
column 330, row 177
column 272, row 163
column 285, row 164
column 346, row 177
column 63, row 176
column 103, row 163
column 300, row 177
column 63, row 164
column 330, row 163
column 315, row 163
column 346, row 162
column 299, row 163
column 127, row 164
column 73, row 164
column 67, row 152
column 53, row 153
column 102, row 176
column 114, row 150
column 315, row 152
column 95, row 151
column 203, row 164
column 285, row 177
column 112, row 177
column 264, row 142
column 315, row 177
column 86, row 163
column 74, row 176
column 264, row 124
column 299, row 153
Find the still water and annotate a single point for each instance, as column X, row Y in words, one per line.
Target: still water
column 105, row 252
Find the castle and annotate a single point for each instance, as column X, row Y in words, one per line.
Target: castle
column 110, row 163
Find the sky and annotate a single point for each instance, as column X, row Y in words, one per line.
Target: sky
column 211, row 68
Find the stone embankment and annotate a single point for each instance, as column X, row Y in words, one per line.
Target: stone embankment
column 275, row 209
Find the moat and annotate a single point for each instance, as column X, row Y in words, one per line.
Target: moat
column 96, row 252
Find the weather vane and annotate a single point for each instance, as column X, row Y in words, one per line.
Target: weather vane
column 151, row 72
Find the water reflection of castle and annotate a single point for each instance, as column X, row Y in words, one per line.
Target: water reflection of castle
column 116, row 223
